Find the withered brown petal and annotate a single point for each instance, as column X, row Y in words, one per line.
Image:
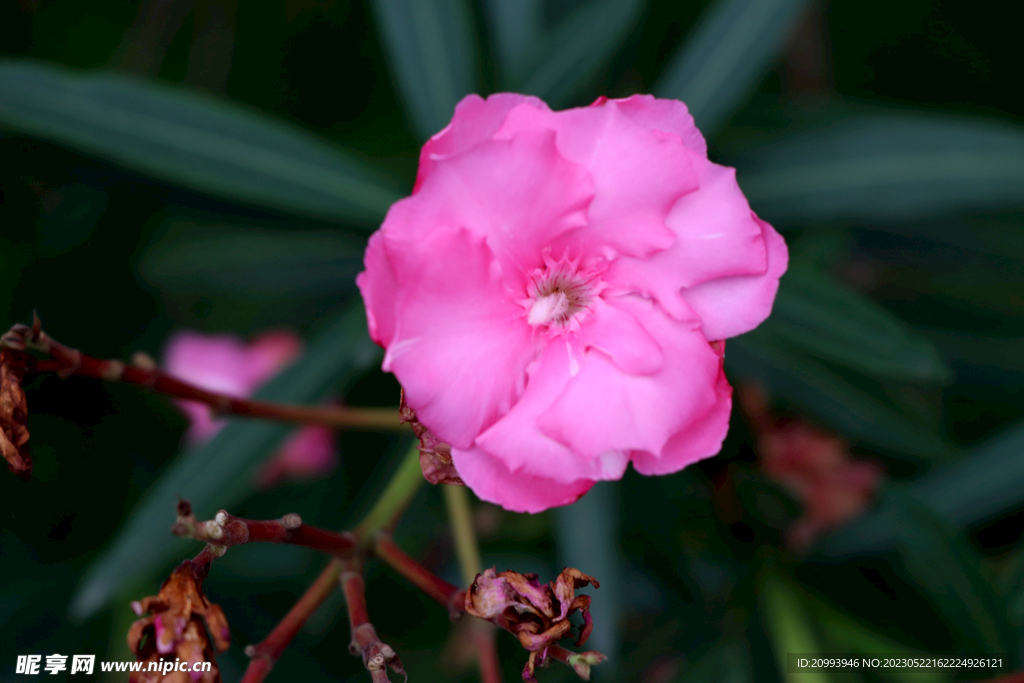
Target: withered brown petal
column 13, row 416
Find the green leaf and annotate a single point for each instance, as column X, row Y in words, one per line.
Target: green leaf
column 728, row 661
column 725, row 56
column 885, row 167
column 189, row 139
column 987, row 482
column 789, row 628
column 430, row 45
column 814, row 313
column 196, row 256
column 573, row 55
column 949, row 570
column 852, row 636
column 220, row 473
column 515, row 28
column 791, row 374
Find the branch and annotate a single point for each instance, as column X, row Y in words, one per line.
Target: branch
column 225, row 531
column 384, row 514
column 377, row 656
column 265, row 654
column 66, row 362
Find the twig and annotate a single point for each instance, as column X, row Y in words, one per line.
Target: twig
column 384, row 514
column 66, row 362
column 225, row 531
column 265, row 654
column 377, row 656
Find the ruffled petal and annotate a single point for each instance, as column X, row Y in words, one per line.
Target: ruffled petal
column 638, row 175
column 521, row 447
column 669, row 116
column 475, row 121
column 733, row 305
column 520, row 194
column 461, row 345
column 603, row 409
column 718, row 236
column 492, row 481
column 379, row 288
column 620, row 336
column 700, row 439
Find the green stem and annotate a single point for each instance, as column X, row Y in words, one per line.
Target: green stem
column 460, row 516
column 396, row 496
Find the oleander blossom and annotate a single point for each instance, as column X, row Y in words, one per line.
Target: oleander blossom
column 228, row 365
column 554, row 295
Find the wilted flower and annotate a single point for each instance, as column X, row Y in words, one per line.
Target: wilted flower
column 814, row 465
column 225, row 364
column 435, row 455
column 174, row 630
column 537, row 614
column 13, row 415
column 553, row 295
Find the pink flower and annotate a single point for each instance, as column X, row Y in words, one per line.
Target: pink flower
column 225, row 364
column 553, row 295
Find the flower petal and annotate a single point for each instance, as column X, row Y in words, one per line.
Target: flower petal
column 668, row 116
column 520, row 194
column 701, row 439
column 638, row 175
column 718, row 236
column 493, row 482
column 461, row 345
column 379, row 288
column 621, row 337
column 475, row 121
column 733, row 305
column 522, row 448
column 603, row 409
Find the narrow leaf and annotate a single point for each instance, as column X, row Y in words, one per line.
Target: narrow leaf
column 572, row 56
column 885, row 167
column 987, row 482
column 791, row 374
column 220, row 473
column 516, row 29
column 430, row 47
column 189, row 139
column 725, row 56
column 949, row 570
column 198, row 257
column 814, row 313
column 790, row 630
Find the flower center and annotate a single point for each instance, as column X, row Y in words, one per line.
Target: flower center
column 559, row 294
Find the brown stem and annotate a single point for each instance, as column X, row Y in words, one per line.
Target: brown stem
column 450, row 597
column 265, row 654
column 226, row 531
column 377, row 656
column 486, row 647
column 454, row 599
column 66, row 361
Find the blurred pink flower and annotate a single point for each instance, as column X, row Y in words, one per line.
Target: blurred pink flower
column 553, row 295
column 226, row 364
column 814, row 465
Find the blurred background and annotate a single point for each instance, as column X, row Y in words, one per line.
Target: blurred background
column 216, row 165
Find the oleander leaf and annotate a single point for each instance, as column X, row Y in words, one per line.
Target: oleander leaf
column 190, row 139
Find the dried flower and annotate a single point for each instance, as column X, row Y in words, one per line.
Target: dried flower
column 554, row 294
column 435, row 455
column 537, row 614
column 226, row 364
column 174, row 629
column 814, row 465
column 13, row 415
